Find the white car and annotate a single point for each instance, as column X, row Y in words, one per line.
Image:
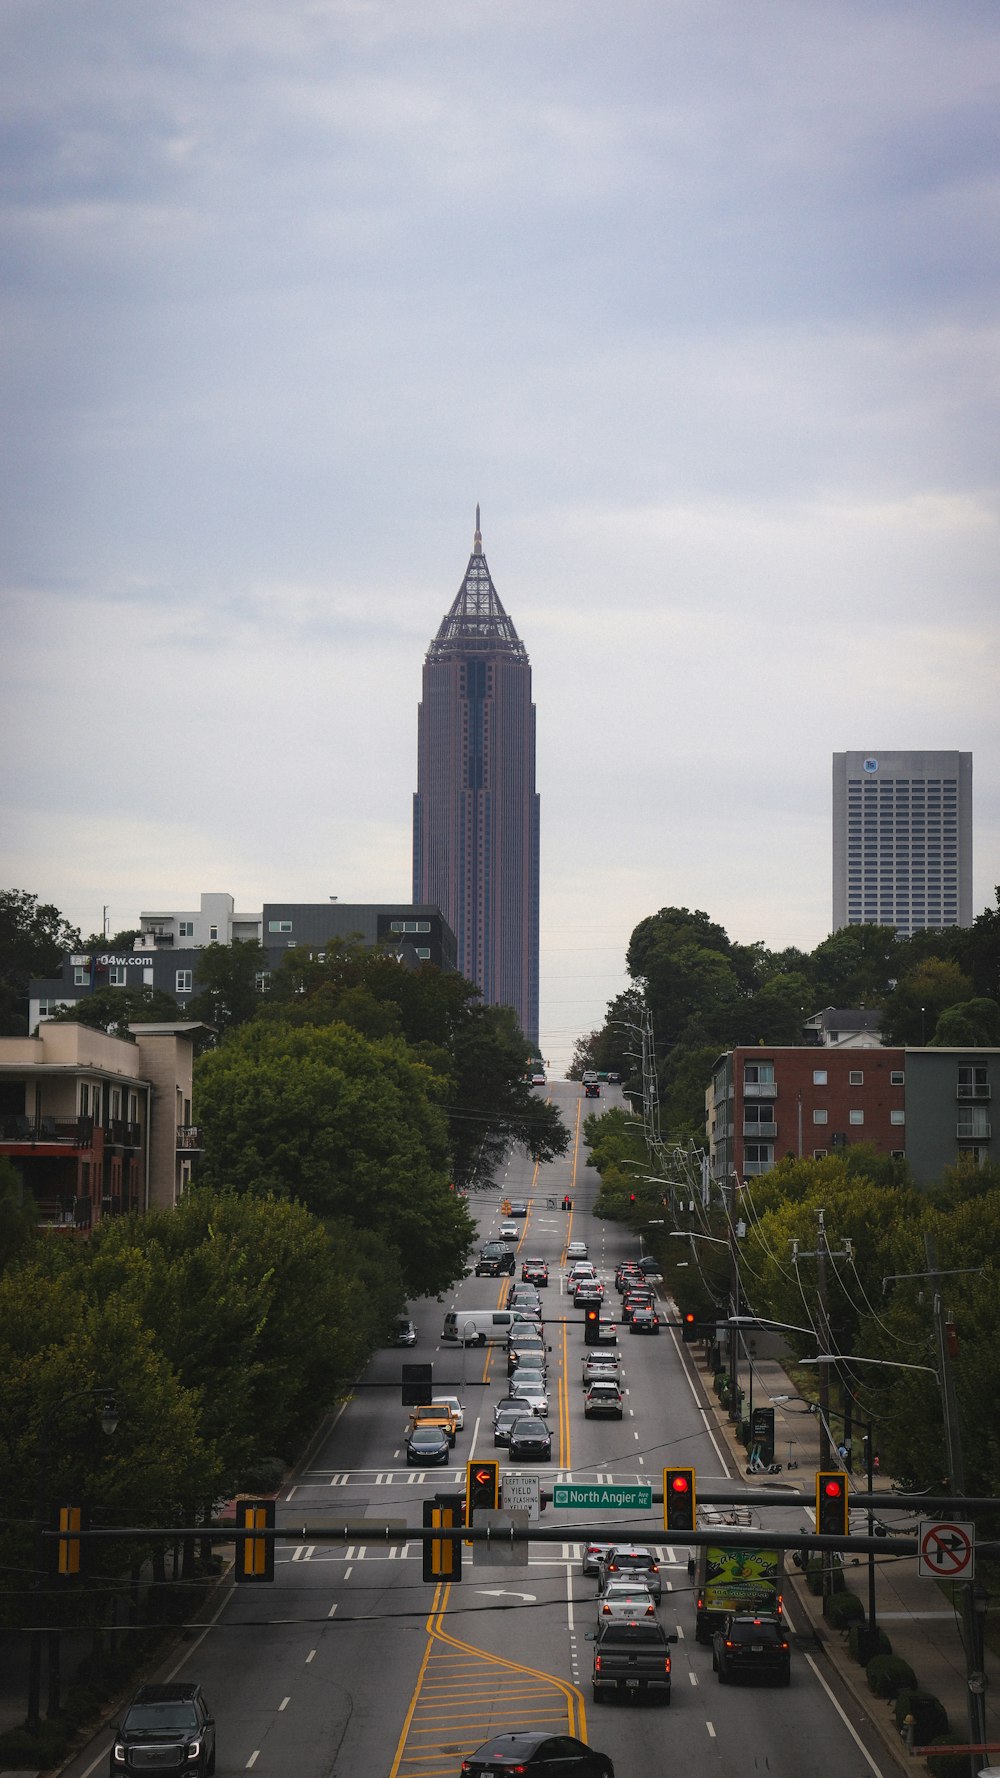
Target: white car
column 580, row 1268
column 576, row 1250
column 532, row 1391
column 624, row 1599
column 509, row 1231
column 451, row 1402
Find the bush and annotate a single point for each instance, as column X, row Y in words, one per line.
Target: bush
column 842, row 1609
column 18, row 1749
column 930, row 1718
column 857, row 1642
column 946, row 1765
column 887, row 1675
column 814, row 1576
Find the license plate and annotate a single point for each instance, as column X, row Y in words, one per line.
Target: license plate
column 633, row 1684
column 757, row 1648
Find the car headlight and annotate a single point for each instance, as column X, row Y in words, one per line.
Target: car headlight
column 118, row 1752
column 194, row 1749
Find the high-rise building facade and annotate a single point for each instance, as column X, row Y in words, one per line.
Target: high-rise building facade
column 902, row 840
column 475, row 812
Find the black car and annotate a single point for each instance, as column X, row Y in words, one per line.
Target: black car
column 757, row 1646
column 166, row 1728
column 530, row 1441
column 535, row 1752
column 426, row 1445
column 494, row 1260
column 505, row 1417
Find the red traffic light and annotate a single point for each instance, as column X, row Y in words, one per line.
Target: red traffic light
column 680, row 1484
column 833, row 1488
column 482, row 1476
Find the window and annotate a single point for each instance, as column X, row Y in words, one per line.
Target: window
column 147, row 978
column 116, row 1103
column 819, row 1154
column 409, row 926
column 423, row 952
column 279, row 926
column 46, row 1008
column 213, row 934
column 821, row 1117
column 897, row 1117
column 81, row 977
column 819, row 1077
column 897, row 1078
column 898, row 1154
column 973, row 1120
column 856, row 1117
column 183, row 981
column 117, row 976
column 84, row 1098
column 972, row 1081
column 758, row 1113
column 856, row 1077
column 757, row 1156
column 185, row 928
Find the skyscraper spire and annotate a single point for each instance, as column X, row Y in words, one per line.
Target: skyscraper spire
column 477, row 541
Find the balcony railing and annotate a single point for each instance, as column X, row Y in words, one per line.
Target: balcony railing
column 970, row 1133
column 759, row 1089
column 121, row 1134
column 971, row 1092
column 189, row 1137
column 762, row 1130
column 72, row 1132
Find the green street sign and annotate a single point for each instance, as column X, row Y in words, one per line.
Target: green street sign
column 599, row 1495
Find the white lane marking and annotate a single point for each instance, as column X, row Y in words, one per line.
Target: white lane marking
column 284, row 1703
column 693, row 1677
column 252, row 1761
column 291, row 1494
column 347, row 1573
column 711, row 1729
column 332, row 1609
column 311, row 1656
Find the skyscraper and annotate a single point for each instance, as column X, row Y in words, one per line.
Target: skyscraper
column 902, row 840
column 475, row 812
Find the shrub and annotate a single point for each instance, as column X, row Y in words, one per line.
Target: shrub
column 857, row 1644
column 947, row 1765
column 887, row 1675
column 814, row 1576
column 18, row 1749
column 842, row 1609
column 930, row 1718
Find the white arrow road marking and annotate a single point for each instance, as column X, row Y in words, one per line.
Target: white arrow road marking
column 503, row 1593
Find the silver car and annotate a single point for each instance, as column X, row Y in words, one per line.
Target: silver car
column 624, row 1599
column 530, row 1389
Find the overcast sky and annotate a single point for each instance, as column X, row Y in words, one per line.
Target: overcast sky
column 699, row 300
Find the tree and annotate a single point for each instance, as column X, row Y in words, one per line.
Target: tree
column 855, row 966
column 911, row 1011
column 353, row 1129
column 33, row 939
column 974, row 1023
column 18, row 1216
column 228, row 984
column 980, row 955
column 114, row 1009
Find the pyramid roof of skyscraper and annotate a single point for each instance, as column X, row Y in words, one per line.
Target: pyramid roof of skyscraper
column 476, row 620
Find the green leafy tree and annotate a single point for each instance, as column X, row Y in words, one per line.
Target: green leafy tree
column 911, row 1011
column 351, row 1128
column 974, row 1023
column 114, row 1009
column 18, row 1216
column 854, row 967
column 33, row 939
column 980, row 952
column 227, row 984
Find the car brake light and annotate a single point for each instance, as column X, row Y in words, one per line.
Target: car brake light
column 666, row 1665
column 597, row 1663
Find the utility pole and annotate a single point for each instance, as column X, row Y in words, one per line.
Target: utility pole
column 975, row 1676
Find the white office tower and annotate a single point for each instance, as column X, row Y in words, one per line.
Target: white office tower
column 902, row 840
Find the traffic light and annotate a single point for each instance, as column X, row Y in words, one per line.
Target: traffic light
column 443, row 1555
column 679, row 1499
column 69, row 1522
column 591, row 1324
column 831, row 1502
column 254, row 1555
column 689, row 1327
column 482, row 1488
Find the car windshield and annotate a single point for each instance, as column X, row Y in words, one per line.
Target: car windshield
column 162, row 1717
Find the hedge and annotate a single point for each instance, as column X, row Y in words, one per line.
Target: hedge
column 947, row 1765
column 854, row 1636
column 887, row 1675
column 930, row 1718
column 842, row 1609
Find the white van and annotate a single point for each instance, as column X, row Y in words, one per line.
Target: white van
column 478, row 1327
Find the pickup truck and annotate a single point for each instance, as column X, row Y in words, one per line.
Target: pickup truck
column 631, row 1655
column 436, row 1415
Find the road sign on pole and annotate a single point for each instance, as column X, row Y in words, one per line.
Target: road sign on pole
column 627, row 1499
column 947, row 1549
column 520, row 1493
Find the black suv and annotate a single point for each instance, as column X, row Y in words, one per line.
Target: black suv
column 166, row 1729
column 755, row 1645
column 494, row 1259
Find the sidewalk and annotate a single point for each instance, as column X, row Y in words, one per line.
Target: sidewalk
column 916, row 1614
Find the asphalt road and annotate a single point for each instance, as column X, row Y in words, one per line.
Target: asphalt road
column 351, row 1665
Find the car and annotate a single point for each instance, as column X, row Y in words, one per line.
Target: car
column 614, row 1078
column 426, row 1445
column 494, row 1259
column 644, row 1320
column 607, row 1331
column 536, row 1272
column 629, row 1272
column 529, row 1352
column 537, row 1754
column 404, row 1333
column 593, row 1556
column 576, row 1250
column 604, row 1398
column 169, row 1727
column 631, row 1561
column 588, row 1290
column 577, row 1269
column 506, row 1415
column 601, row 1367
column 589, row 1076
column 530, row 1390
column 636, row 1299
column 519, row 1207
column 757, row 1646
column 509, row 1231
column 626, row 1599
column 538, row 1078
column 530, row 1441
column 523, row 1296
column 436, row 1415
column 454, row 1406
column 592, row 1089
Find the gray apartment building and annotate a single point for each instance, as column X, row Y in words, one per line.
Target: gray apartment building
column 902, row 840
